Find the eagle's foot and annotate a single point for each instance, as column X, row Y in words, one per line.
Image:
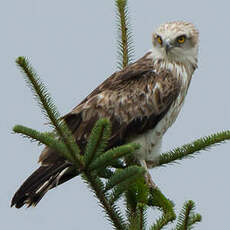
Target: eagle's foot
column 148, row 179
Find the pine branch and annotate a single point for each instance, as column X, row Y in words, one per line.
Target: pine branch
column 125, row 49
column 105, row 173
column 137, row 219
column 117, row 192
column 188, row 208
column 195, row 218
column 134, row 221
column 97, row 141
column 162, row 222
column 48, row 108
column 131, row 201
column 111, row 210
column 136, row 197
column 118, row 164
column 142, row 210
column 108, row 157
column 188, row 150
column 41, row 95
column 127, row 187
column 142, row 222
column 123, row 175
column 187, row 218
column 44, row 138
column 157, row 199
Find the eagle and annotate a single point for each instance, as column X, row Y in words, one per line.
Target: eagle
column 141, row 101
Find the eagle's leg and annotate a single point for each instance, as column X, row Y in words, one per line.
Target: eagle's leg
column 148, row 177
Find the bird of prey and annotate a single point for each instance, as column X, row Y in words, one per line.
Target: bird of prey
column 141, row 101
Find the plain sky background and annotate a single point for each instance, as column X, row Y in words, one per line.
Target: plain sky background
column 72, row 45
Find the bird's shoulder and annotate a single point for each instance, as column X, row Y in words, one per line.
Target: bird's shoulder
column 139, row 79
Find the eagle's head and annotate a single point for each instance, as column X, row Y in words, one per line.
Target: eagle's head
column 176, row 41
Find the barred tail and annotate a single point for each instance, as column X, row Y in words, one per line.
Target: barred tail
column 36, row 186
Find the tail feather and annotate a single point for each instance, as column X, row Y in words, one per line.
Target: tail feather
column 35, row 187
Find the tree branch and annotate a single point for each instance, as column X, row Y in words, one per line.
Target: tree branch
column 125, row 49
column 194, row 147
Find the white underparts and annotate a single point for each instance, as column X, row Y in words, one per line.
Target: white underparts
column 151, row 141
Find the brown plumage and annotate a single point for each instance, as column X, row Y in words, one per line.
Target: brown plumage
column 135, row 100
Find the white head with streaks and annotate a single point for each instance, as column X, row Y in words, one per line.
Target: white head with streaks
column 176, row 42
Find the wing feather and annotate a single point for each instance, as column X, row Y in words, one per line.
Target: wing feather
column 134, row 100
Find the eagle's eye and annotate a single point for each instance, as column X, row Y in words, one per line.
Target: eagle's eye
column 159, row 39
column 181, row 39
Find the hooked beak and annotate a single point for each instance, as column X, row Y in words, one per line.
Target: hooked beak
column 168, row 46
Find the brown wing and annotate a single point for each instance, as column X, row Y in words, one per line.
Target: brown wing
column 134, row 100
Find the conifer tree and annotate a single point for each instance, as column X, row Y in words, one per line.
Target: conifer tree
column 109, row 174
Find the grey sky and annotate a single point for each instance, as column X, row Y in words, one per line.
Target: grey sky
column 72, row 45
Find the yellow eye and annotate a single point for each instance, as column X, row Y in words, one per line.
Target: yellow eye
column 159, row 40
column 181, row 39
